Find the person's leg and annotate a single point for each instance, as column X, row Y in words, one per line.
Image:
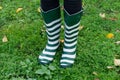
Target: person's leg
column 72, row 16
column 52, row 21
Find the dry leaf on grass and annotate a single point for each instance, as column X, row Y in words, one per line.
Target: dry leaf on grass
column 117, row 42
column 117, row 62
column 62, row 27
column 102, row 15
column 62, row 41
column 4, row 39
column 110, row 67
column 81, row 27
column 113, row 19
column 95, row 73
column 19, row 9
column 117, row 30
column 96, row 79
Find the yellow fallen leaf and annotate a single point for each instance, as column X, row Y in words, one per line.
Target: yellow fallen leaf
column 62, row 41
column 39, row 10
column 102, row 15
column 19, row 9
column 117, row 62
column 81, row 27
column 4, row 39
column 110, row 35
column 1, row 7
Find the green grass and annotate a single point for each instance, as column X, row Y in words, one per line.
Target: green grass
column 18, row 56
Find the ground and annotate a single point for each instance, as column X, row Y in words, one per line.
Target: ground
column 22, row 38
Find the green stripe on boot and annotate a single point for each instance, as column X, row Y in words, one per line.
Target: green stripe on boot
column 72, row 23
column 52, row 22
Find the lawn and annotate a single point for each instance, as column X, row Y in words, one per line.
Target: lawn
column 23, row 37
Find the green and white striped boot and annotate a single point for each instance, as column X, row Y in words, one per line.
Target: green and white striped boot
column 52, row 21
column 72, row 23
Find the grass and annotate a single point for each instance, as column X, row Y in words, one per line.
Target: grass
column 26, row 39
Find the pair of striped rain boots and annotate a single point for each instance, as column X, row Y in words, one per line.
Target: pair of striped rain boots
column 52, row 21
